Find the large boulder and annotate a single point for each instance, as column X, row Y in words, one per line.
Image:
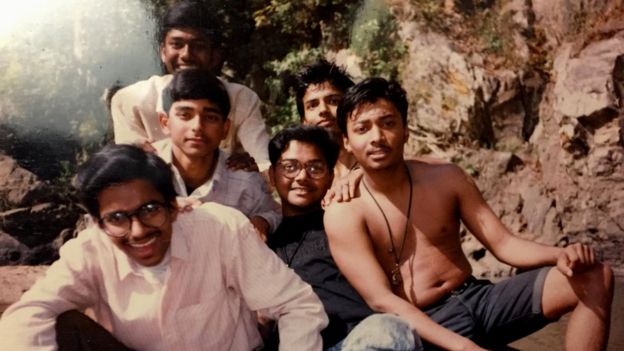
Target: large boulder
column 18, row 186
column 34, row 219
column 562, row 19
column 447, row 93
column 39, row 224
column 544, row 139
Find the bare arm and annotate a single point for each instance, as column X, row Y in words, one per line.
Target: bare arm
column 508, row 248
column 353, row 252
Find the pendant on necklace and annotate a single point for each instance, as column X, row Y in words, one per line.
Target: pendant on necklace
column 396, row 275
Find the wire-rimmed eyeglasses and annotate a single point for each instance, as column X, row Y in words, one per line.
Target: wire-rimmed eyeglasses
column 291, row 168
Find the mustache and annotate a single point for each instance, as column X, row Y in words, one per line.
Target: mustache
column 379, row 147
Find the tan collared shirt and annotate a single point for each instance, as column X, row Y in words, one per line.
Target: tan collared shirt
column 135, row 117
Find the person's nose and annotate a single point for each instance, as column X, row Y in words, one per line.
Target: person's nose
column 302, row 175
column 377, row 135
column 324, row 110
column 196, row 123
column 185, row 52
column 138, row 230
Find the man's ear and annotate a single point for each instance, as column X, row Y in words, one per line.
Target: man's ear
column 164, row 122
column 161, row 50
column 226, row 128
column 173, row 211
column 406, row 134
column 345, row 142
column 272, row 176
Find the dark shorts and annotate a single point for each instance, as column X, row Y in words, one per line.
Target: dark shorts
column 493, row 315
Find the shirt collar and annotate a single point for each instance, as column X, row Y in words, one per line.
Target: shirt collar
column 164, row 148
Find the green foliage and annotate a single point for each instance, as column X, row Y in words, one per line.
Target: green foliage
column 308, row 29
column 374, row 38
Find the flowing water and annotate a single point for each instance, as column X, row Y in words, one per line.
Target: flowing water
column 57, row 58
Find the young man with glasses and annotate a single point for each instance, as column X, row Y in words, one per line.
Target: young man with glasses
column 302, row 168
column 158, row 279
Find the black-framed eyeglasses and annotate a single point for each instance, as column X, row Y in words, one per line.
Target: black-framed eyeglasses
column 291, row 168
column 119, row 224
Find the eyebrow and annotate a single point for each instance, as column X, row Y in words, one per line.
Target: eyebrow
column 312, row 160
column 204, row 109
column 212, row 109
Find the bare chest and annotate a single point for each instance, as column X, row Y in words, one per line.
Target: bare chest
column 413, row 246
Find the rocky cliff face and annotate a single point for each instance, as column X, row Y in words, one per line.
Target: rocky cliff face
column 540, row 126
column 34, row 220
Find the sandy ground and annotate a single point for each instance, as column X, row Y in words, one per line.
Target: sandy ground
column 15, row 280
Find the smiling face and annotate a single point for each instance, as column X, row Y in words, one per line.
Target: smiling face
column 301, row 194
column 144, row 244
column 320, row 102
column 376, row 135
column 196, row 128
column 188, row 48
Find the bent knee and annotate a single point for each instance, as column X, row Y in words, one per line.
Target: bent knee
column 598, row 279
column 593, row 286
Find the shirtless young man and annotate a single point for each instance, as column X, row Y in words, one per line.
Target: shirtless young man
column 401, row 249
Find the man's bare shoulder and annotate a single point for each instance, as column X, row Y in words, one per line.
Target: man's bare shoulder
column 434, row 169
column 442, row 175
column 340, row 214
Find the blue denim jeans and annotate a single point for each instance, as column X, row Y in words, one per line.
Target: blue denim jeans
column 380, row 332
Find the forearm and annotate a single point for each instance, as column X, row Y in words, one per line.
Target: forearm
column 522, row 253
column 424, row 326
column 300, row 327
column 26, row 327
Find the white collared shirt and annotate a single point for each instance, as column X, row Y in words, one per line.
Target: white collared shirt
column 245, row 191
column 135, row 108
column 220, row 271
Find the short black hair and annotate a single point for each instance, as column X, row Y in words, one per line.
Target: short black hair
column 306, row 134
column 195, row 15
column 116, row 164
column 369, row 91
column 319, row 72
column 196, row 84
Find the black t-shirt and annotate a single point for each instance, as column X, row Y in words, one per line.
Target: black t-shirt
column 301, row 242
